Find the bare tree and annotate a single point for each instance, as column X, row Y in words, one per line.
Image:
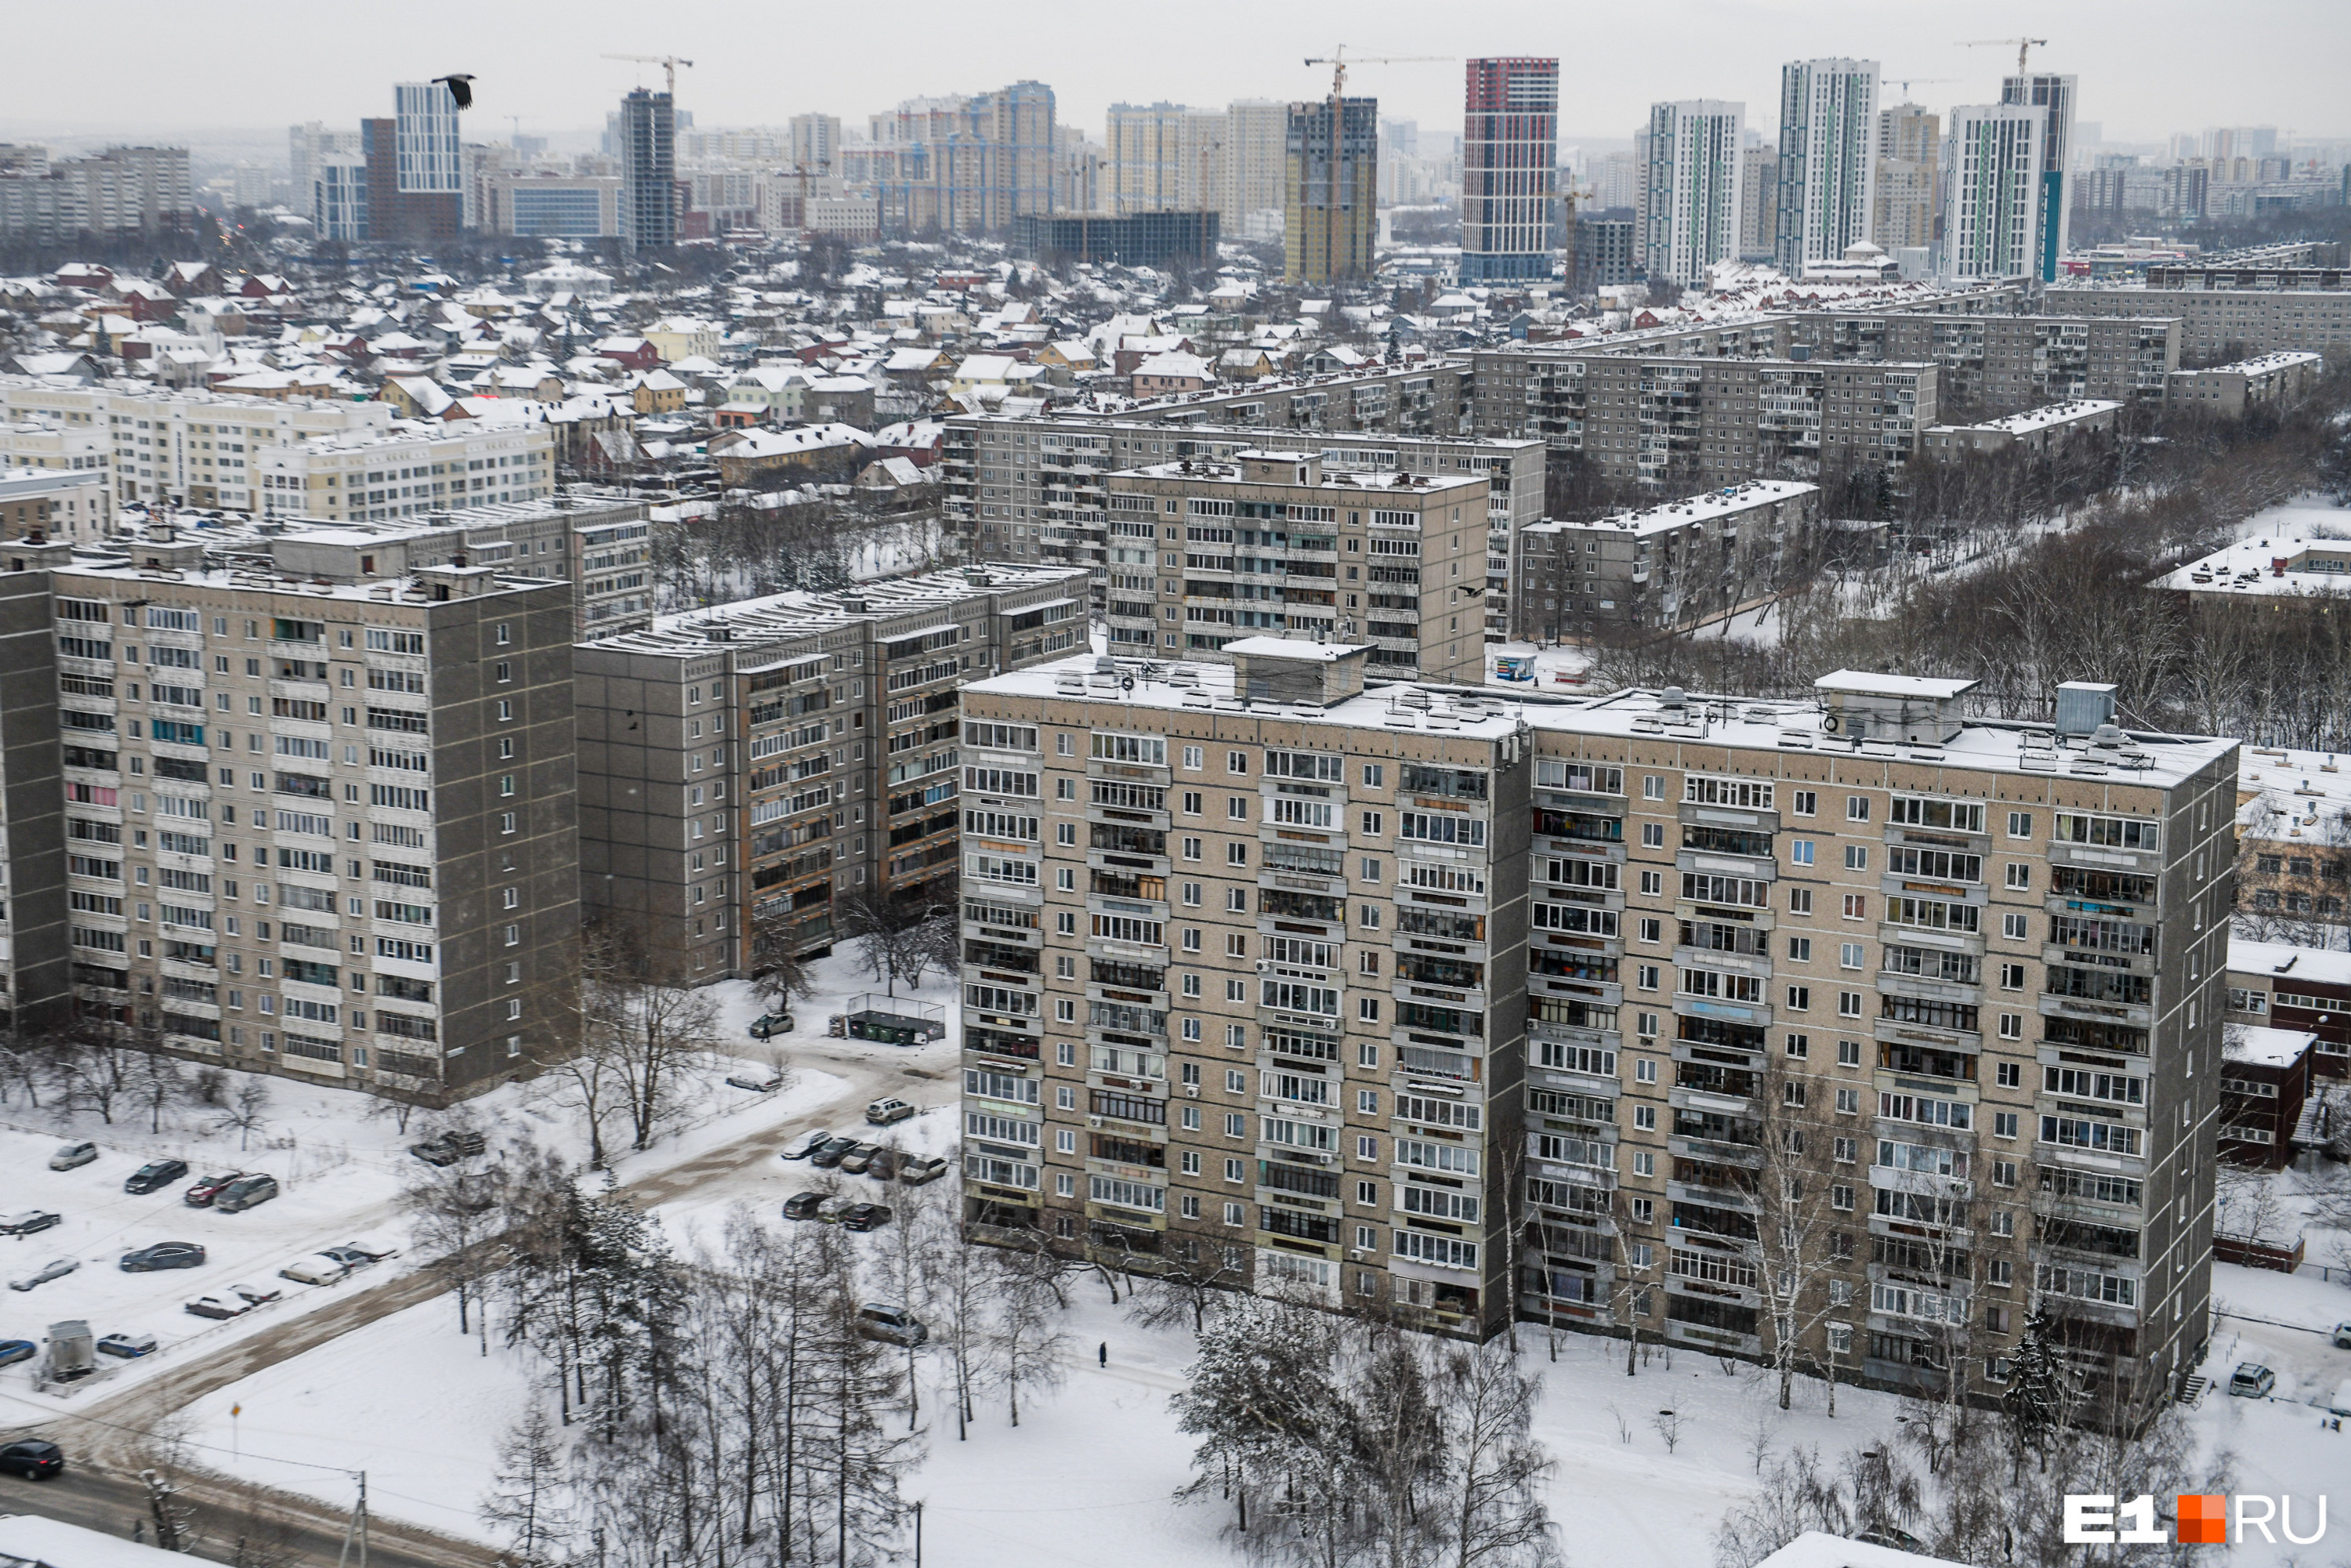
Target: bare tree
column 247, row 1111
column 1799, row 1235
column 156, row 1084
column 1494, row 1471
column 525, row 1501
column 459, row 1215
column 645, row 1029
column 1024, row 1342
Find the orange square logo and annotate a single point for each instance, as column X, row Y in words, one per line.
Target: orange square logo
column 2203, row 1521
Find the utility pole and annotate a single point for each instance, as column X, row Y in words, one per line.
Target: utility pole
column 357, row 1526
column 918, row 1535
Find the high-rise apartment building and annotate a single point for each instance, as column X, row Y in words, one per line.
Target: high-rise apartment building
column 1270, row 543
column 1332, row 187
column 425, row 129
column 1257, row 162
column 1690, row 211
column 816, row 143
column 326, row 832
column 1759, row 195
column 1165, row 158
column 1909, row 145
column 1828, row 164
column 1994, row 192
column 648, row 153
column 1848, row 1018
column 2054, row 95
column 967, row 164
column 121, row 189
column 749, row 767
column 1509, row 154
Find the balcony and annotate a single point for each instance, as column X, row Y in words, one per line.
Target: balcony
column 1752, row 867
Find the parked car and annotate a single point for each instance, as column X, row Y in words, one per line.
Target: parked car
column 835, row 1209
column 246, row 1192
column 35, row 1460
column 915, row 1170
column 767, row 1025
column 26, row 1221
column 449, row 1147
column 221, row 1306
column 208, row 1188
column 802, row 1205
column 884, row 1164
column 13, row 1351
column 129, row 1346
column 758, row 1082
column 2251, row 1381
column 54, row 1268
column 859, row 1156
column 815, row 1141
column 350, row 1258
column 72, row 1155
column 881, row 1112
column 826, row 1155
column 374, row 1249
column 866, row 1217
column 2342, row 1336
column 153, row 1175
column 315, row 1269
column 894, row 1325
column 164, row 1255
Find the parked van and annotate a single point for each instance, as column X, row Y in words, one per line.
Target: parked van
column 895, row 1325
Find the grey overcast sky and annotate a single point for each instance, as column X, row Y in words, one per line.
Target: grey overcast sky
column 2147, row 67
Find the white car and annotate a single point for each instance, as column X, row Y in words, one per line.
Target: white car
column 316, row 1269
column 54, row 1268
column 72, row 1155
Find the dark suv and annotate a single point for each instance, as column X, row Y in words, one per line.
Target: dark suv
column 35, row 1461
column 153, row 1175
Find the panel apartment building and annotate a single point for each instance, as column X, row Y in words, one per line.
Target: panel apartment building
column 272, row 455
column 1276, row 980
column 322, row 830
column 1037, row 486
column 1204, row 554
column 2225, row 323
column 754, row 764
column 1668, row 566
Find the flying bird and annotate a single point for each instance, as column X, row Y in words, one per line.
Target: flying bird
column 461, row 87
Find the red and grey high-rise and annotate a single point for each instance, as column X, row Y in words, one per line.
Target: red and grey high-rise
column 1510, row 147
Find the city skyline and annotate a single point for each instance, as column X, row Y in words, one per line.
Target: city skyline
column 2149, row 80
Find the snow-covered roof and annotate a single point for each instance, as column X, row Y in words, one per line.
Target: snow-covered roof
column 2259, row 568
column 1815, row 1549
column 2279, row 960
column 2259, row 1046
column 1725, row 502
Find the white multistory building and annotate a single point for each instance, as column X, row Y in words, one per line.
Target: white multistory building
column 1690, row 216
column 1991, row 191
column 1827, row 177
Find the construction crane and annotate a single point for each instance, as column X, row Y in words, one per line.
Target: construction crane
column 1339, row 62
column 2023, row 47
column 1904, row 83
column 668, row 63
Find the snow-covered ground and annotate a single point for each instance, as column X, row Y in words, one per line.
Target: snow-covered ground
column 380, row 1403
column 2303, row 517
column 341, row 1170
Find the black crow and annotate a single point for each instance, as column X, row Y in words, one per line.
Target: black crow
column 461, row 87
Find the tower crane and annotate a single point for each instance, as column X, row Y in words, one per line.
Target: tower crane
column 1904, row 83
column 668, row 63
column 2023, row 47
column 1338, row 60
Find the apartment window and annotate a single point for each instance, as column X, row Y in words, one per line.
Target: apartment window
column 505, row 633
column 1646, row 976
column 1236, row 1126
column 514, row 937
column 1191, row 892
column 1800, row 900
column 1367, row 1008
column 505, row 785
column 1191, row 982
column 2012, row 1026
column 505, row 821
column 1374, row 824
column 1371, row 871
column 1237, row 762
column 1236, row 901
column 1644, row 1118
column 1856, row 857
column 2011, row 1074
column 1232, row 1214
column 2015, row 927
column 1192, row 802
column 1799, row 850
column 1800, row 1045
column 1065, row 879
column 1856, row 907
column 1653, row 787
column 2011, row 977
column 1849, row 955
column 511, row 897
column 506, row 712
column 1857, row 808
column 1192, row 764
column 1367, row 916
column 1191, row 938
column 2020, row 824
column 1806, row 803
column 1644, row 1070
column 1064, row 1011
column 1066, row 922
column 1848, row 1054
column 1842, row 1150
column 1652, row 884
column 1236, row 808
column 1237, row 853
column 1799, row 999
column 1374, row 774
column 1839, row 1196
column 1800, row 949
column 2003, row 1123
column 1848, row 1102
column 1848, row 1004
column 2003, row 1172
column 505, row 671
column 2019, row 875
